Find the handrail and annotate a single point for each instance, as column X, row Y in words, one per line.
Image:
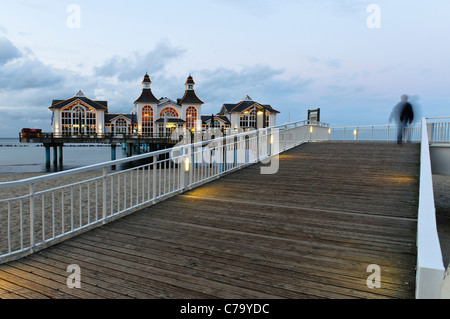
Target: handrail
column 438, row 132
column 154, row 153
column 40, row 217
column 368, row 125
column 430, row 266
column 437, row 118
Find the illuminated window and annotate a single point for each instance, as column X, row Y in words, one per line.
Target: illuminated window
column 78, row 119
column 244, row 120
column 252, row 118
column 147, row 120
column 170, row 111
column 248, row 118
column 121, row 126
column 191, row 117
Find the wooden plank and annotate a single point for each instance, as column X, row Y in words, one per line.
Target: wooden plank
column 28, row 284
column 308, row 231
column 292, row 223
column 177, row 278
column 287, row 269
column 123, row 278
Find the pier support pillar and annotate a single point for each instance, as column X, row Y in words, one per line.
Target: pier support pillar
column 129, row 149
column 113, row 152
column 47, row 155
column 113, row 155
column 55, row 155
column 60, row 154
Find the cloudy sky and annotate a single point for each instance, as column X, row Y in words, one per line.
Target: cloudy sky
column 351, row 58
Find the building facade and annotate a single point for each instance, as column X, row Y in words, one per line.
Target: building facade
column 248, row 114
column 153, row 117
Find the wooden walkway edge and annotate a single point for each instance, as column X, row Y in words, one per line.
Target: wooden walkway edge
column 309, row 231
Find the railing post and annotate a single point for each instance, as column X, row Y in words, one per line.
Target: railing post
column 105, row 173
column 285, row 137
column 155, row 169
column 257, row 146
column 32, row 219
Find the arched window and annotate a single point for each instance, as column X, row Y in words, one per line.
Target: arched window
column 170, row 111
column 78, row 119
column 121, row 126
column 252, row 118
column 191, row 117
column 244, row 120
column 248, row 118
column 147, row 120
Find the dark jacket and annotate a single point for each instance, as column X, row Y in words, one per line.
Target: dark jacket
column 406, row 115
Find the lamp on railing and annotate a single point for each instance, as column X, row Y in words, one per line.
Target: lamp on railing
column 355, row 133
column 186, row 164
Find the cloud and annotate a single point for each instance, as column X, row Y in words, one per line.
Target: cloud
column 349, row 6
column 332, row 63
column 20, row 70
column 8, row 51
column 127, row 68
column 262, row 82
column 28, row 74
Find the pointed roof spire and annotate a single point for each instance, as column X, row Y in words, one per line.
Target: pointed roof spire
column 189, row 94
column 79, row 94
column 147, row 95
column 247, row 98
column 146, row 79
column 190, row 80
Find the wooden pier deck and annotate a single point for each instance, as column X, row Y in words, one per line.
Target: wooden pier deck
column 308, row 231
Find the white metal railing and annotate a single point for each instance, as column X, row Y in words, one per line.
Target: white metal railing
column 430, row 266
column 438, row 129
column 438, row 132
column 40, row 211
column 375, row 133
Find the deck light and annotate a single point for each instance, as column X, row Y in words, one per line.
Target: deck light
column 186, row 164
column 310, row 129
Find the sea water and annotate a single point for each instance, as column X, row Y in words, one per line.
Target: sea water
column 16, row 157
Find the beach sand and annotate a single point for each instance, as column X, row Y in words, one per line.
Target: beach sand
column 73, row 207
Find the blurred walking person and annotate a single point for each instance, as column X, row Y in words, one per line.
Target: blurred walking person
column 403, row 115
